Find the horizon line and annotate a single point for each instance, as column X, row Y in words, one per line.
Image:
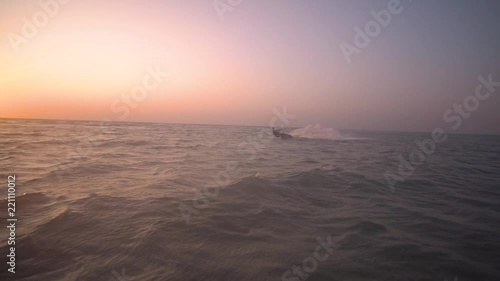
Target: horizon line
column 231, row 125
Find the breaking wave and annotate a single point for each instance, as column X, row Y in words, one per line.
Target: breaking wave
column 318, row 132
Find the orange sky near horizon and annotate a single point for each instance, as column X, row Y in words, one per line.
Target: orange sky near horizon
column 86, row 61
column 75, row 68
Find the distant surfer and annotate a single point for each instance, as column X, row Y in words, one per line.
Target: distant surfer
column 277, row 133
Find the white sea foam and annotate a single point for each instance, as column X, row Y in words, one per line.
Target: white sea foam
column 318, row 132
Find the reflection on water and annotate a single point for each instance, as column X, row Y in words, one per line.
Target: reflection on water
column 111, row 204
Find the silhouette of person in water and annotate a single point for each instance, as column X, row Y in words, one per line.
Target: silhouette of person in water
column 277, row 133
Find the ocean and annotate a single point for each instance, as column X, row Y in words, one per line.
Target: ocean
column 153, row 201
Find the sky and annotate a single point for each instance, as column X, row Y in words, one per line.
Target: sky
column 234, row 62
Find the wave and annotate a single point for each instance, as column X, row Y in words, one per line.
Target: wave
column 318, row 132
column 29, row 198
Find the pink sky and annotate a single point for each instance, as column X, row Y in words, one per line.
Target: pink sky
column 261, row 56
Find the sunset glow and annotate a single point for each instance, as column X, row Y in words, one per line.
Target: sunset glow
column 235, row 70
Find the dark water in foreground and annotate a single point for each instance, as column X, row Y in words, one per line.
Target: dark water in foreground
column 116, row 203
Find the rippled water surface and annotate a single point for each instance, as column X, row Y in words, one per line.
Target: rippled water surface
column 144, row 201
